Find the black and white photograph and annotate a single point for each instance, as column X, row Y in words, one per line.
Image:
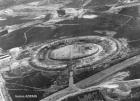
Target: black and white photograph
column 69, row 50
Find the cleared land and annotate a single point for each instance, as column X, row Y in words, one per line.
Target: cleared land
column 95, row 79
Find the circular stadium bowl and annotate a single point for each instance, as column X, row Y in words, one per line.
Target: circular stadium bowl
column 74, row 51
column 83, row 50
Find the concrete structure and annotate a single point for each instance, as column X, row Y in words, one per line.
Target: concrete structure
column 88, row 50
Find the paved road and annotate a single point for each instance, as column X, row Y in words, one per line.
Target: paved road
column 125, row 6
column 95, row 79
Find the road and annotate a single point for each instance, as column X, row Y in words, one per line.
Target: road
column 124, row 6
column 95, row 79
